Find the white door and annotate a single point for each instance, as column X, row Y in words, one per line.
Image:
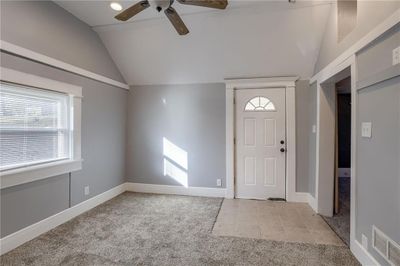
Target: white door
column 260, row 143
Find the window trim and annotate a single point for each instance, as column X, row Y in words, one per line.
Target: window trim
column 30, row 173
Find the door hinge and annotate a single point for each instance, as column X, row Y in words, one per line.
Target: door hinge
column 234, row 141
column 234, row 100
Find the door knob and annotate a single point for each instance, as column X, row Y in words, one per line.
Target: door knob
column 282, row 142
column 282, row 150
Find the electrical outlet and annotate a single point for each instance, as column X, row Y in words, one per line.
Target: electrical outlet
column 219, row 182
column 396, row 56
column 364, row 241
column 366, row 130
column 314, row 129
column 87, row 191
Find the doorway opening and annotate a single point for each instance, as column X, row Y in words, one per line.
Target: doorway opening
column 340, row 220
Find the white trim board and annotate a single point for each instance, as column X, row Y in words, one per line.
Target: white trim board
column 362, row 255
column 253, row 83
column 26, row 53
column 313, row 203
column 325, row 141
column 175, row 190
column 28, row 233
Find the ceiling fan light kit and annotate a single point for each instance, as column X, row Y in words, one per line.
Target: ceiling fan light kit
column 169, row 11
column 116, row 6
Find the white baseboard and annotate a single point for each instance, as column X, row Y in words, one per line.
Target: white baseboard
column 313, row 203
column 28, row 233
column 176, row 190
column 299, row 197
column 362, row 255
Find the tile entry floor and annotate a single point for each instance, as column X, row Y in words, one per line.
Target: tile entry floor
column 279, row 221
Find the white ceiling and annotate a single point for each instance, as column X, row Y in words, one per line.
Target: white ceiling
column 249, row 39
column 98, row 12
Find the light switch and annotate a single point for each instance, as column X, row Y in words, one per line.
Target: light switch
column 314, row 129
column 366, row 130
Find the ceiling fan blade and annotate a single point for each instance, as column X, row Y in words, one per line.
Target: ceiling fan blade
column 133, row 10
column 176, row 21
column 219, row 4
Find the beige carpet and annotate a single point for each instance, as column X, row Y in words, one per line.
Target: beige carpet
column 146, row 229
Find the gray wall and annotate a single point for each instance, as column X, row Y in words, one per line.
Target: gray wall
column 103, row 151
column 312, row 138
column 26, row 204
column 190, row 116
column 46, row 28
column 369, row 15
column 302, row 135
column 378, row 172
column 193, row 118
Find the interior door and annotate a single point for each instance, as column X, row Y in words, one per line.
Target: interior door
column 260, row 143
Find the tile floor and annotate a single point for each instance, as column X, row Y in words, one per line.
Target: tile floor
column 280, row 221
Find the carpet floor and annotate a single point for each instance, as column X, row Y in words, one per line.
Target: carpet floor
column 340, row 222
column 147, row 229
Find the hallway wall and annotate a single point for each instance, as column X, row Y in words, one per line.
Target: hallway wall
column 378, row 170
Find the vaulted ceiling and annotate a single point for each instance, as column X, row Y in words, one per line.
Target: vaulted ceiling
column 248, row 39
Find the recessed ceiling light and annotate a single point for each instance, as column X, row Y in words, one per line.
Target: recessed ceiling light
column 116, row 6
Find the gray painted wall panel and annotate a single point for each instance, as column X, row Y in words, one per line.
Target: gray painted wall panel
column 378, row 55
column 312, row 151
column 369, row 15
column 103, row 143
column 29, row 203
column 302, row 135
column 378, row 182
column 46, row 28
column 191, row 117
column 378, row 170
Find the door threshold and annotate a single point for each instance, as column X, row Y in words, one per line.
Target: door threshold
column 277, row 199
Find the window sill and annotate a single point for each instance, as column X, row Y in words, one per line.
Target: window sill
column 28, row 174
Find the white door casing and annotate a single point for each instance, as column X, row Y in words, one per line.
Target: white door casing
column 289, row 84
column 260, row 128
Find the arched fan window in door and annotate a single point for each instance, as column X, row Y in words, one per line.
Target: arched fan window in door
column 260, row 103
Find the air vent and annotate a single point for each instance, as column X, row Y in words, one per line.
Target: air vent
column 385, row 246
column 394, row 253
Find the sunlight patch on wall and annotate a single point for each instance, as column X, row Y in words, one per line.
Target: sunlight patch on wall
column 175, row 162
column 175, row 153
column 175, row 172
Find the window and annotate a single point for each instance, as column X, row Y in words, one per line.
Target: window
column 260, row 103
column 40, row 128
column 34, row 126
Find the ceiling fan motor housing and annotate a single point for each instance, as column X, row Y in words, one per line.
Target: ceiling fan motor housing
column 160, row 4
column 169, row 11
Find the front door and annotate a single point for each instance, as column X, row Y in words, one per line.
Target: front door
column 260, row 143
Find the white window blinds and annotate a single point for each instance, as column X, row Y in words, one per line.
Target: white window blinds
column 35, row 126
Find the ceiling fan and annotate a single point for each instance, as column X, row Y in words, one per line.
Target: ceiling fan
column 169, row 11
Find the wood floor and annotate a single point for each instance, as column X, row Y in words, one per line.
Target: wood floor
column 280, row 221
